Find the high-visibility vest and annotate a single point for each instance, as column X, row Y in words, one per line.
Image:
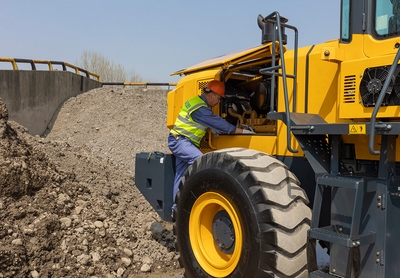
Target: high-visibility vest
column 185, row 125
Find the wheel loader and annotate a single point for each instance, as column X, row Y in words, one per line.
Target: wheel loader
column 322, row 168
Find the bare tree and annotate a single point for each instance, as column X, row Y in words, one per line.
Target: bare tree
column 108, row 71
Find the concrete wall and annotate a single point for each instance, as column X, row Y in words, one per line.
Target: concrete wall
column 33, row 97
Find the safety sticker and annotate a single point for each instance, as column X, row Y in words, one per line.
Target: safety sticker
column 357, row 129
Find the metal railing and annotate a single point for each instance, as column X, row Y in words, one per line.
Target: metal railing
column 378, row 104
column 137, row 84
column 14, row 62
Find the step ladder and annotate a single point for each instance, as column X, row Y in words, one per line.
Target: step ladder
column 344, row 238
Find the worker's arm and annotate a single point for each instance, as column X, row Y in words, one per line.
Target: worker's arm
column 238, row 131
column 205, row 116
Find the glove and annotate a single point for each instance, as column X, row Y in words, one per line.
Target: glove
column 215, row 134
column 245, row 131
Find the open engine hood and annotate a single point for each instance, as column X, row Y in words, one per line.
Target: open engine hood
column 232, row 59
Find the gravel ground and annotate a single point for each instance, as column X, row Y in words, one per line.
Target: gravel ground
column 68, row 202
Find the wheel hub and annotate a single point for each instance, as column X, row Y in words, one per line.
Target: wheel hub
column 223, row 232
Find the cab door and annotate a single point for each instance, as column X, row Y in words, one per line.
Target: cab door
column 381, row 21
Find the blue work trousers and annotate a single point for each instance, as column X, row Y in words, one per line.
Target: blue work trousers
column 185, row 153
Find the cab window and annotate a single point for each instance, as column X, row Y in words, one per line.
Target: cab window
column 387, row 17
column 345, row 18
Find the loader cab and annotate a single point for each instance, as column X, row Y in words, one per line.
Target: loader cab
column 369, row 40
column 374, row 24
column 378, row 18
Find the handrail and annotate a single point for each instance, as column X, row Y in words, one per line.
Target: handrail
column 50, row 64
column 275, row 19
column 378, row 106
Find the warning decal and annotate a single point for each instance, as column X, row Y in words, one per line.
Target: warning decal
column 357, row 129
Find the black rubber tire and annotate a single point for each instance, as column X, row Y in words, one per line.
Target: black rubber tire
column 265, row 203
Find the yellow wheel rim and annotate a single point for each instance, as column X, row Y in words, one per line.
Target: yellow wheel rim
column 213, row 261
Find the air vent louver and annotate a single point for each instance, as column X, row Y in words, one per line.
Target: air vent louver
column 349, row 90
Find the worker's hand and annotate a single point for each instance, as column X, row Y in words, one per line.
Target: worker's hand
column 215, row 134
column 245, row 131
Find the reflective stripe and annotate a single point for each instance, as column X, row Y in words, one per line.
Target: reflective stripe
column 189, row 135
column 195, row 107
column 186, row 121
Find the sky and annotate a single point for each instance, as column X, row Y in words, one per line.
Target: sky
column 152, row 38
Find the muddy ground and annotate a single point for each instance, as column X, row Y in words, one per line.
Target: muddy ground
column 68, row 202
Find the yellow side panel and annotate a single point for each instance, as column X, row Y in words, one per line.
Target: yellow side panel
column 271, row 144
column 352, row 74
column 317, row 82
column 174, row 100
column 262, row 143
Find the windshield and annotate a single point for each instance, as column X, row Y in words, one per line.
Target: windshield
column 387, row 17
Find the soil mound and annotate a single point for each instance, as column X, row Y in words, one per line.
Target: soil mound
column 68, row 202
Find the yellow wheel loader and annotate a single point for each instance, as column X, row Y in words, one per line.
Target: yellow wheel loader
column 321, row 168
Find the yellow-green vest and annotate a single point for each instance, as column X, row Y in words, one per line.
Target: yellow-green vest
column 185, row 125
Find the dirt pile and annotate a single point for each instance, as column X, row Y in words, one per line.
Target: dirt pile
column 68, row 203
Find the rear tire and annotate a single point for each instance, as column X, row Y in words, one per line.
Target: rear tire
column 241, row 213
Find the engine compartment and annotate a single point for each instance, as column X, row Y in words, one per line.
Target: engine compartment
column 247, row 104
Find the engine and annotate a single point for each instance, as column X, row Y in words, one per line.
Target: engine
column 249, row 108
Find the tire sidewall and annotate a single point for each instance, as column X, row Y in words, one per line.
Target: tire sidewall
column 201, row 179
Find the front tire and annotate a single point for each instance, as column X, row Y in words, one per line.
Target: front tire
column 241, row 213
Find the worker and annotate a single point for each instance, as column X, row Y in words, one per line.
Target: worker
column 191, row 126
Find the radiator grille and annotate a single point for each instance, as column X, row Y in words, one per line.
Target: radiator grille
column 204, row 143
column 201, row 86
